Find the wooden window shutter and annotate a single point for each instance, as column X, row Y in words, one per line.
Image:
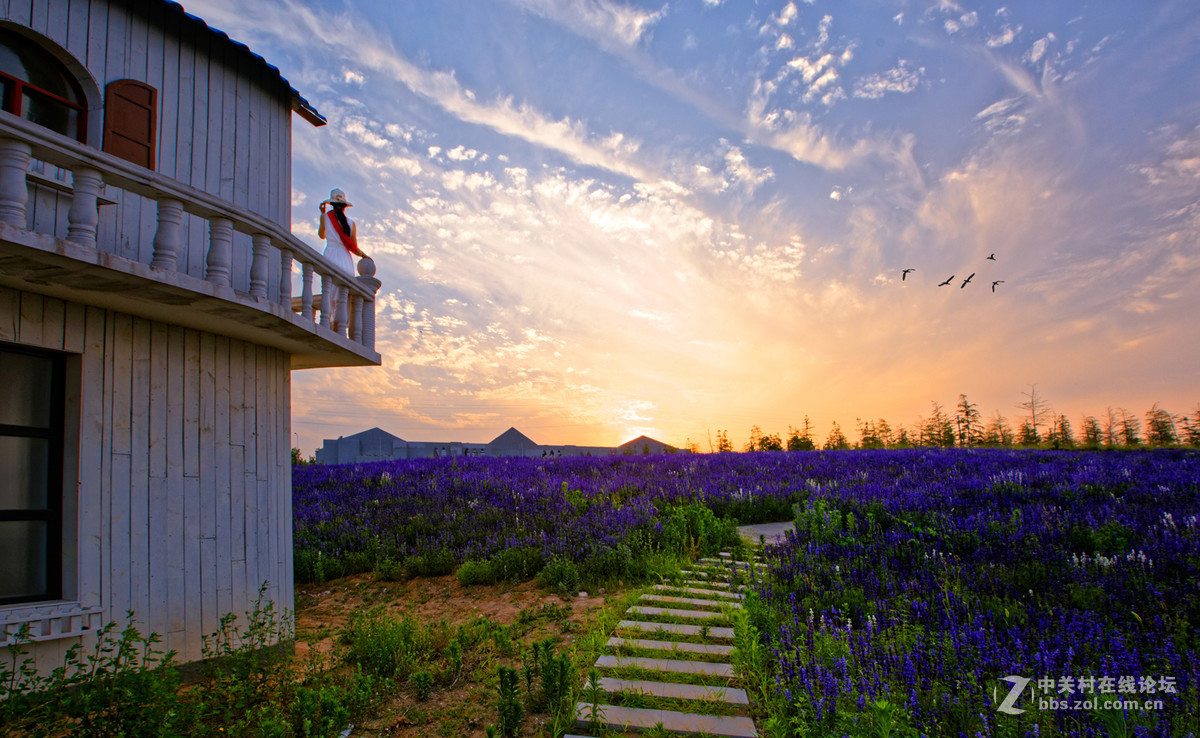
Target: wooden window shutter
column 131, row 121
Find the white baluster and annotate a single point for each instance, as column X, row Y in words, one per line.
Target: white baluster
column 285, row 278
column 83, row 214
column 306, row 296
column 342, row 309
column 169, row 236
column 356, row 316
column 14, row 193
column 366, row 278
column 259, row 264
column 326, row 303
column 220, row 251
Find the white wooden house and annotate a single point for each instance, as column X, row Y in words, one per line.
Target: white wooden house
column 148, row 326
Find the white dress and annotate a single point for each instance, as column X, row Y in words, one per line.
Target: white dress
column 334, row 250
column 341, row 258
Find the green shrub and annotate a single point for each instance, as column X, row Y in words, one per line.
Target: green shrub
column 435, row 564
column 475, row 572
column 511, row 713
column 422, row 684
column 693, row 530
column 385, row 645
column 560, row 575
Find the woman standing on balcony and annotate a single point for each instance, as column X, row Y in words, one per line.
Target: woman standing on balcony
column 341, row 241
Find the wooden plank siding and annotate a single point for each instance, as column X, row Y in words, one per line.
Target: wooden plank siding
column 224, row 125
column 181, row 469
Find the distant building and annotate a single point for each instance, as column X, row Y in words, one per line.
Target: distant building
column 379, row 445
column 645, row 445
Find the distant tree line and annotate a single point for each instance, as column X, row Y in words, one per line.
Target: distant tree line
column 1037, row 426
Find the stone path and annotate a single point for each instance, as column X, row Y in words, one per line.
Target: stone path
column 668, row 664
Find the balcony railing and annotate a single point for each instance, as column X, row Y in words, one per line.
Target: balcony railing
column 270, row 252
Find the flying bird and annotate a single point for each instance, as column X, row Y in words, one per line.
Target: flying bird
column 998, row 281
column 905, row 273
column 968, row 279
column 948, row 280
column 992, row 257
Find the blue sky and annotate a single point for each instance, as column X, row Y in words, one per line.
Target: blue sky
column 595, row 219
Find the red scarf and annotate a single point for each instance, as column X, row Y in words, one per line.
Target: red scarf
column 348, row 240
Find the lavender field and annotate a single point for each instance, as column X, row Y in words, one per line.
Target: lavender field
column 917, row 582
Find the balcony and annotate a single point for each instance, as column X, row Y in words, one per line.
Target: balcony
column 206, row 263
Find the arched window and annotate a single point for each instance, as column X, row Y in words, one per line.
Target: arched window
column 36, row 86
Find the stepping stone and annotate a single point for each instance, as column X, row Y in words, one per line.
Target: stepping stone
column 697, row 591
column 718, row 581
column 677, row 666
column 733, row 564
column 706, row 583
column 725, row 634
column 707, row 574
column 704, row 648
column 689, row 601
column 693, row 614
column 623, row 718
column 728, row 695
column 728, row 557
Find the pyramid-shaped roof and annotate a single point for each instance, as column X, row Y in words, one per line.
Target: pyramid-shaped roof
column 375, row 433
column 512, row 439
column 637, row 444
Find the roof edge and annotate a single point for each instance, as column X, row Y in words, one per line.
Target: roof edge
column 299, row 105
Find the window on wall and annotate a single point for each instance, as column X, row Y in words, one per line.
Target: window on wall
column 31, row 467
column 131, row 121
column 36, row 86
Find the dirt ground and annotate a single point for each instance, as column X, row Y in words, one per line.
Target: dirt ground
column 466, row 706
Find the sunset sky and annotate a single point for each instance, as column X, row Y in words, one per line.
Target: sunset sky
column 597, row 219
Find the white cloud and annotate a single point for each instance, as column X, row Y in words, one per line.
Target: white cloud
column 1005, row 37
column 787, row 15
column 902, row 79
column 307, row 28
column 1002, row 116
column 1039, row 48
column 461, row 153
column 603, row 21
column 739, row 170
column 357, row 127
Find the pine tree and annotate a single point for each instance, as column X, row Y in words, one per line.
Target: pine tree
column 836, row 439
column 755, row 434
column 1112, row 429
column 800, row 439
column 868, row 435
column 1129, row 428
column 970, row 424
column 1160, row 427
column 1061, row 433
column 1093, row 435
column 1191, row 428
column 937, row 429
column 1035, row 406
column 723, row 444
